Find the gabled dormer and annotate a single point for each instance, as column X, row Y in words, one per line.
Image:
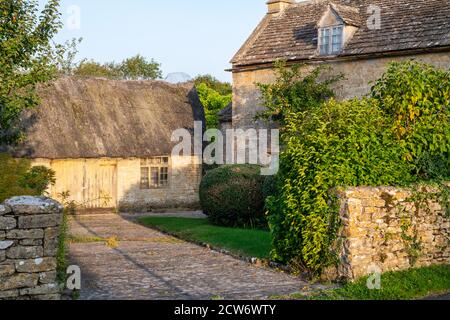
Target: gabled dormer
column 336, row 27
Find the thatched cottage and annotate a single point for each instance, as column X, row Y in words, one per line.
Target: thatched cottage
column 109, row 142
column 356, row 37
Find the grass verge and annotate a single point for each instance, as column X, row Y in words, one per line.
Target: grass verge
column 61, row 255
column 243, row 242
column 402, row 285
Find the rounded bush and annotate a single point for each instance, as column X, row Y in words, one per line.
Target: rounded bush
column 231, row 196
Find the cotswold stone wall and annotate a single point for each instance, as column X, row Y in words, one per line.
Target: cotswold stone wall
column 391, row 229
column 29, row 230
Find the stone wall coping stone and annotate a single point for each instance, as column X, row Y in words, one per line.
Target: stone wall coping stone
column 4, row 209
column 33, row 205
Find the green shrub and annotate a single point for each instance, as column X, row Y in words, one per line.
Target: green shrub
column 398, row 136
column 231, row 195
column 17, row 178
column 416, row 97
column 294, row 91
column 340, row 144
column 269, row 187
column 38, row 178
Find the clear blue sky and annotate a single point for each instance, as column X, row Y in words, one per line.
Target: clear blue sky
column 196, row 36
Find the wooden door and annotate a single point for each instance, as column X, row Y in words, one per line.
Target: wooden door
column 100, row 186
column 91, row 184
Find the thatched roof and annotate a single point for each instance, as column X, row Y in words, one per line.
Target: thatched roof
column 104, row 118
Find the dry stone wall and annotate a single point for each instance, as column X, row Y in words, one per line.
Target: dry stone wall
column 29, row 231
column 391, row 229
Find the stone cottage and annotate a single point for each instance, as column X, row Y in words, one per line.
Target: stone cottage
column 109, row 142
column 357, row 38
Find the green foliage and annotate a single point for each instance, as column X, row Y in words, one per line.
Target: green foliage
column 17, row 178
column 396, row 137
column 223, row 88
column 134, row 68
column 66, row 62
column 231, row 195
column 214, row 96
column 417, row 98
column 27, row 58
column 403, row 285
column 138, row 68
column 61, row 255
column 38, row 178
column 295, row 91
column 269, row 188
column 88, row 69
column 242, row 242
column 339, row 144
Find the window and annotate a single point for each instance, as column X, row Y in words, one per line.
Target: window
column 154, row 173
column 330, row 40
column 145, row 183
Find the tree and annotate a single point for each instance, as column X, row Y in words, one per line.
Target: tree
column 223, row 88
column 90, row 68
column 135, row 68
column 213, row 102
column 214, row 96
column 66, row 63
column 294, row 91
column 138, row 67
column 27, row 58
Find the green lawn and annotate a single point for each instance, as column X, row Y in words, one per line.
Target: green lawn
column 402, row 285
column 244, row 242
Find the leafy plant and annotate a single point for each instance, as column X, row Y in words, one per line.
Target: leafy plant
column 295, row 91
column 223, row 88
column 17, row 178
column 339, row 144
column 416, row 97
column 213, row 102
column 139, row 68
column 38, row 178
column 231, row 195
column 27, row 58
column 134, row 68
column 398, row 136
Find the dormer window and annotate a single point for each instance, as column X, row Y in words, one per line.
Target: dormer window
column 331, row 40
column 336, row 28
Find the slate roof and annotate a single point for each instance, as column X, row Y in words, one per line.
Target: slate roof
column 405, row 25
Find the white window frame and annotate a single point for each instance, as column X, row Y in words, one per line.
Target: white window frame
column 332, row 32
column 158, row 165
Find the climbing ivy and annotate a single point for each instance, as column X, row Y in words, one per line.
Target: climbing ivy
column 397, row 136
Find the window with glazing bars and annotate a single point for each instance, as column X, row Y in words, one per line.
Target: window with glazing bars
column 154, row 173
column 330, row 40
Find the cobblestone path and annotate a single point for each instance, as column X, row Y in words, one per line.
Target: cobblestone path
column 140, row 263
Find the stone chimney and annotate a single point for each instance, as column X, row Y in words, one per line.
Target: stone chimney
column 277, row 6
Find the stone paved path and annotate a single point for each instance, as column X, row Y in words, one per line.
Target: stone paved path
column 147, row 264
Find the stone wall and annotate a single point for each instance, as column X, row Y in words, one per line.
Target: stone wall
column 29, row 230
column 390, row 229
column 359, row 76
